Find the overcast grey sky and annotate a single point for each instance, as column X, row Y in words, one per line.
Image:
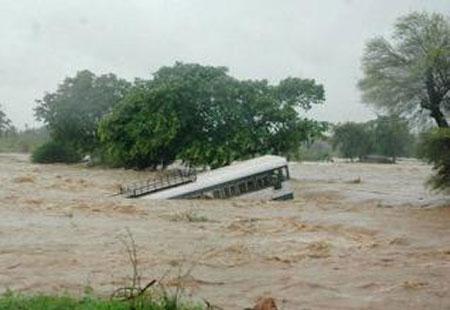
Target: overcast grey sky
column 43, row 41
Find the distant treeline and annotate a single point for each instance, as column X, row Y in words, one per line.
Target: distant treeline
column 22, row 141
column 388, row 136
column 384, row 139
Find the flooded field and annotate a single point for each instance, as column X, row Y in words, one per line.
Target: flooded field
column 356, row 236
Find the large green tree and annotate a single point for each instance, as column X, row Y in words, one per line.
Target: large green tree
column 73, row 111
column 410, row 74
column 204, row 116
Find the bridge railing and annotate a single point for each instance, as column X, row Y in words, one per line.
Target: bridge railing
column 168, row 180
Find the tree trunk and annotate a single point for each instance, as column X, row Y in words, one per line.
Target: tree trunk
column 439, row 117
column 435, row 100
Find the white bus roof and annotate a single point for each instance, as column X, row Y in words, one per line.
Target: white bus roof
column 223, row 175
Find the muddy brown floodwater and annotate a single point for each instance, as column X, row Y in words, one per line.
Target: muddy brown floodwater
column 356, row 236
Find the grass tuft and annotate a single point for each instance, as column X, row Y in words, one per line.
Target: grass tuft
column 12, row 301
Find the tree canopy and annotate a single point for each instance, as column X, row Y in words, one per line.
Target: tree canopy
column 204, row 116
column 73, row 111
column 411, row 73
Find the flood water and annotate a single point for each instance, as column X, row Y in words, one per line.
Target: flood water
column 356, row 236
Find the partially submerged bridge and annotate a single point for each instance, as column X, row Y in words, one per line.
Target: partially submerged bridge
column 267, row 173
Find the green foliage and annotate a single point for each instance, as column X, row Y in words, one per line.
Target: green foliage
column 391, row 137
column 386, row 135
column 6, row 127
column 203, row 116
column 23, row 141
column 353, row 140
column 138, row 134
column 411, row 74
column 55, row 152
column 72, row 112
column 12, row 301
column 435, row 148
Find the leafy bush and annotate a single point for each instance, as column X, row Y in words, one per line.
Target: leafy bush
column 435, row 148
column 55, row 152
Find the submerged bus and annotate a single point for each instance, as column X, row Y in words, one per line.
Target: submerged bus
column 265, row 175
